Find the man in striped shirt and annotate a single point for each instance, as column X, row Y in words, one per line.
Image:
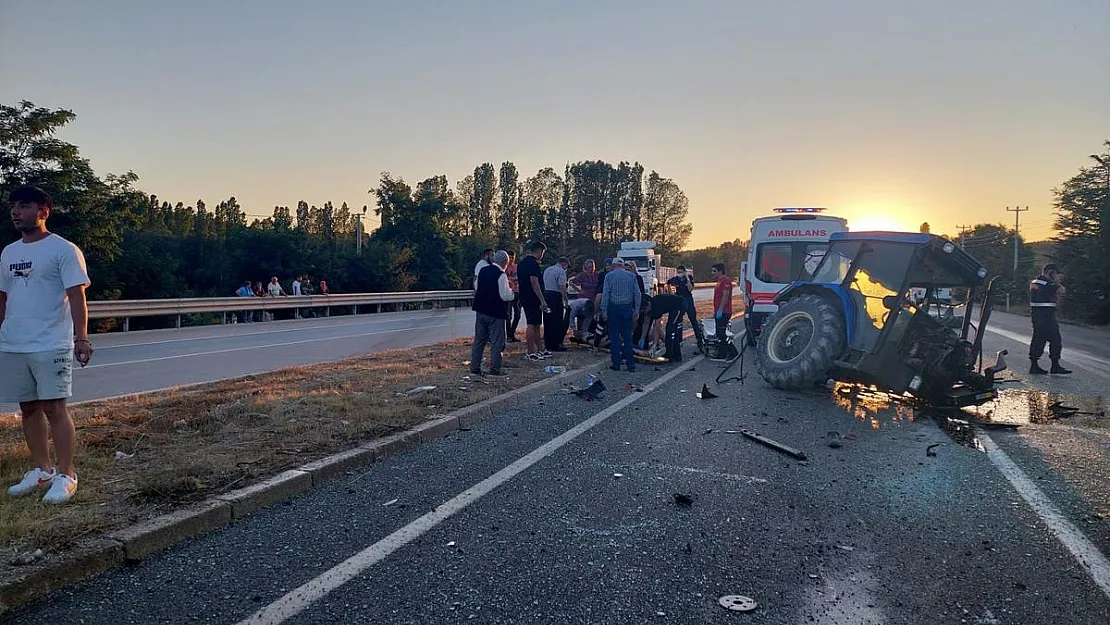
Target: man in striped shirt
column 620, row 299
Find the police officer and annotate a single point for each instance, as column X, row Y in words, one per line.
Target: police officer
column 1044, row 293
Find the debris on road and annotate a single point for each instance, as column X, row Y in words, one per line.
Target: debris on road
column 773, row 444
column 554, row 369
column 451, row 544
column 683, row 500
column 618, row 475
column 119, row 455
column 417, row 391
column 930, row 451
column 591, row 392
column 706, row 393
column 737, row 603
column 628, row 388
column 389, row 503
column 24, row 559
column 834, row 439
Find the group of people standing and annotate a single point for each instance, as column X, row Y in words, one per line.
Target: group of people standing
column 609, row 306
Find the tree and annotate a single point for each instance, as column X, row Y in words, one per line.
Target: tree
column 509, row 214
column 481, row 202
column 1082, row 206
column 925, row 229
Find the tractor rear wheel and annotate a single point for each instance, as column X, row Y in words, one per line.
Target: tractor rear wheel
column 800, row 342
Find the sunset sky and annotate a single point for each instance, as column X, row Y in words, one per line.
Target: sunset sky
column 888, row 112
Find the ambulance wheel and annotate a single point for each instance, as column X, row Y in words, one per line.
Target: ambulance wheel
column 800, row 342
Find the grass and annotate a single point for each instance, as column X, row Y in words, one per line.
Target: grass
column 181, row 446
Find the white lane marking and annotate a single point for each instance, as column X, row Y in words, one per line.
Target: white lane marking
column 291, row 328
column 297, row 600
column 267, row 346
column 1081, row 359
column 1088, row 555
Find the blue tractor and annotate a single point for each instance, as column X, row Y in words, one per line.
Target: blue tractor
column 890, row 310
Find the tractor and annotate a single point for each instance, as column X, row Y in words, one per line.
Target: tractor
column 873, row 314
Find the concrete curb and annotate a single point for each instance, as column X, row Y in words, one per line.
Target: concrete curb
column 138, row 541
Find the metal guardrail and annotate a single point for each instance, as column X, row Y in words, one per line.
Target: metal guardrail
column 126, row 309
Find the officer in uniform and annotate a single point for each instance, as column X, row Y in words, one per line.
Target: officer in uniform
column 1044, row 293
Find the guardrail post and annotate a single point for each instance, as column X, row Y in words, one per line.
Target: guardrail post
column 327, row 311
column 127, row 324
column 177, row 321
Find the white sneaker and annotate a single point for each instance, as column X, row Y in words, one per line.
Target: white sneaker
column 35, row 478
column 61, row 489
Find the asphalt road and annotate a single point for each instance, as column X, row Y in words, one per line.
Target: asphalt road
column 135, row 362
column 563, row 511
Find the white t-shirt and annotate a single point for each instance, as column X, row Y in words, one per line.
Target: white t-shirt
column 35, row 277
column 297, row 288
column 274, row 289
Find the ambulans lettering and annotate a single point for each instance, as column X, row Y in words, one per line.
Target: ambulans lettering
column 797, row 233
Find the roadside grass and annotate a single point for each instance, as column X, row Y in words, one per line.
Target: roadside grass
column 145, row 455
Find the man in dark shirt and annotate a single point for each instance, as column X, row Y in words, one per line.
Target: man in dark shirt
column 1044, row 293
column 530, row 277
column 683, row 285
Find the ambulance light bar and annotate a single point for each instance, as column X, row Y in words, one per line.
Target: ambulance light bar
column 800, row 209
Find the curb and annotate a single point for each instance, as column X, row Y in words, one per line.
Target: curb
column 136, row 542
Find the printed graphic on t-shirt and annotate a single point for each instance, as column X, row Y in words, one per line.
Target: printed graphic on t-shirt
column 21, row 270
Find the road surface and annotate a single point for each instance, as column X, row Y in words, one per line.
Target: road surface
column 134, row 362
column 562, row 511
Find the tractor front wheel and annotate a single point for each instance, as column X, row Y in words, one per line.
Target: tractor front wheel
column 800, row 342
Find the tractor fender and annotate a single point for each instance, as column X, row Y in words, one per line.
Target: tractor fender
column 835, row 294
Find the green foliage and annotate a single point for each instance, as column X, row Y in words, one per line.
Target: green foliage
column 140, row 246
column 1083, row 239
column 731, row 253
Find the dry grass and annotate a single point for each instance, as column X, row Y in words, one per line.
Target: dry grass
column 193, row 443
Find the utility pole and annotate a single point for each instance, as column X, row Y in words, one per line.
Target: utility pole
column 963, row 230
column 1017, row 211
column 358, row 232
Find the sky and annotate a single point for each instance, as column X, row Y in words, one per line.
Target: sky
column 889, row 113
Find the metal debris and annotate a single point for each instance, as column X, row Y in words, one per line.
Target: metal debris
column 389, row 503
column 737, row 603
column 683, row 500
column 705, row 393
column 930, row 450
column 773, row 444
column 834, row 439
column 417, row 390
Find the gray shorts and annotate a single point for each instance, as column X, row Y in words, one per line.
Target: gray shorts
column 39, row 375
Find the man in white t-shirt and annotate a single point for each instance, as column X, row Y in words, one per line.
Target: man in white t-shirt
column 274, row 288
column 485, row 261
column 43, row 329
column 297, row 287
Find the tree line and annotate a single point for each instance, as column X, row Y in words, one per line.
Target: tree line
column 139, row 245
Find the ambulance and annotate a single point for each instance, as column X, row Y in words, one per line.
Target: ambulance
column 783, row 248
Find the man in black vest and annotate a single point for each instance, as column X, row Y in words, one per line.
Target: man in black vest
column 490, row 314
column 1044, row 293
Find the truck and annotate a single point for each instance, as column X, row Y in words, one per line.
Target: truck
column 783, row 248
column 649, row 265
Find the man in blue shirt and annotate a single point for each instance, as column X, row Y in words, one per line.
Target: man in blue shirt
column 620, row 299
